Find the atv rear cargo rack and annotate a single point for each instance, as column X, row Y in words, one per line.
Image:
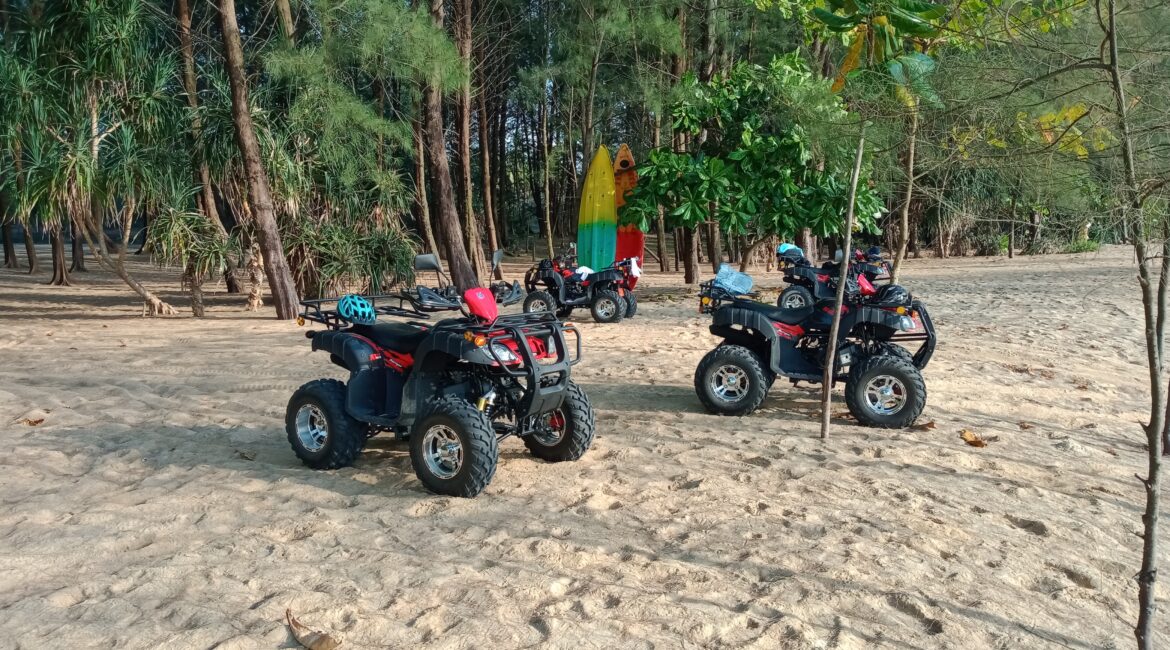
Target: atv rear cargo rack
column 315, row 312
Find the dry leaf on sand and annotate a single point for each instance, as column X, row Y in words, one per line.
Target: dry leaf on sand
column 972, row 438
column 1024, row 426
column 32, row 422
column 311, row 639
column 925, row 426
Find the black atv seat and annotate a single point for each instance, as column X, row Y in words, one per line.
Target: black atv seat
column 400, row 337
column 793, row 316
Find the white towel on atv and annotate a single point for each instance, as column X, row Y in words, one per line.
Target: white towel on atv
column 635, row 270
column 583, row 272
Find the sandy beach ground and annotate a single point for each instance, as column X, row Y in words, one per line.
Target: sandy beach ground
column 158, row 504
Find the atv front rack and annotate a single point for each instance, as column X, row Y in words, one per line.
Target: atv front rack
column 314, row 310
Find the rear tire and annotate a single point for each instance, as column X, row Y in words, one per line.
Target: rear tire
column 731, row 380
column 539, row 301
column 570, row 431
column 608, row 306
column 794, row 297
column 322, row 433
column 885, row 391
column 453, row 448
column 631, row 304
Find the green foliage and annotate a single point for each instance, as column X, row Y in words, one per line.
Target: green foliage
column 334, row 257
column 189, row 240
column 776, row 158
column 1082, row 246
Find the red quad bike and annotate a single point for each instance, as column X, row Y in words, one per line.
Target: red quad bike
column 883, row 380
column 555, row 285
column 454, row 388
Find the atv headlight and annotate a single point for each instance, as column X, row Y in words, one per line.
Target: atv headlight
column 502, row 353
column 905, row 323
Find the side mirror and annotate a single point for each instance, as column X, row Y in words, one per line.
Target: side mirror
column 428, row 262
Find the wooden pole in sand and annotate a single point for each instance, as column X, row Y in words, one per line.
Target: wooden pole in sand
column 831, row 351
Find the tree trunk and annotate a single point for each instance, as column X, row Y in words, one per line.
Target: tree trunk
column 78, row 250
column 470, row 224
column 30, row 250
column 194, row 281
column 1154, row 307
column 255, row 267
column 830, row 372
column 587, row 112
column 548, row 233
column 462, row 274
column 280, row 281
column 287, row 26
column 422, row 205
column 904, row 216
column 660, row 223
column 489, row 214
column 714, row 249
column 60, row 270
column 10, row 261
column 690, row 252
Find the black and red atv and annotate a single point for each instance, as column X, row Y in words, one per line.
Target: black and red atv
column 454, row 388
column 809, row 284
column 883, row 380
column 557, row 285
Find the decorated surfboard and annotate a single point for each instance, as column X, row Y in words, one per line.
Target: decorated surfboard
column 597, row 220
column 631, row 241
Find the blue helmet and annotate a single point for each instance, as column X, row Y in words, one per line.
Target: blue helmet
column 356, row 309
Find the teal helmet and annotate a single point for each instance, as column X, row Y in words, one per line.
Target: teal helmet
column 356, row 309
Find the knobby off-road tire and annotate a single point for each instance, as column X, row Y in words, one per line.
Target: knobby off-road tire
column 538, row 301
column 322, row 434
column 631, row 304
column 731, row 380
column 885, row 391
column 794, row 297
column 452, row 421
column 608, row 307
column 575, row 433
column 895, row 350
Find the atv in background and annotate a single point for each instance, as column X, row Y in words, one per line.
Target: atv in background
column 504, row 293
column 883, row 380
column 559, row 285
column 809, row 284
column 453, row 388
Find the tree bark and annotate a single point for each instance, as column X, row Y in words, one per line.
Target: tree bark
column 194, row 281
column 280, row 281
column 470, row 224
column 451, row 231
column 831, row 348
column 660, row 223
column 1154, row 307
column 690, row 255
column 30, row 250
column 60, row 270
column 78, row 250
column 904, row 216
column 422, row 205
column 10, row 261
column 287, row 26
column 714, row 249
column 544, row 149
column 489, row 213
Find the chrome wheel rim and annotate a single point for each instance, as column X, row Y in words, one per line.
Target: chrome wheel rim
column 442, row 451
column 552, row 429
column 312, row 427
column 885, row 395
column 606, row 308
column 793, row 301
column 730, row 383
column 537, row 305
